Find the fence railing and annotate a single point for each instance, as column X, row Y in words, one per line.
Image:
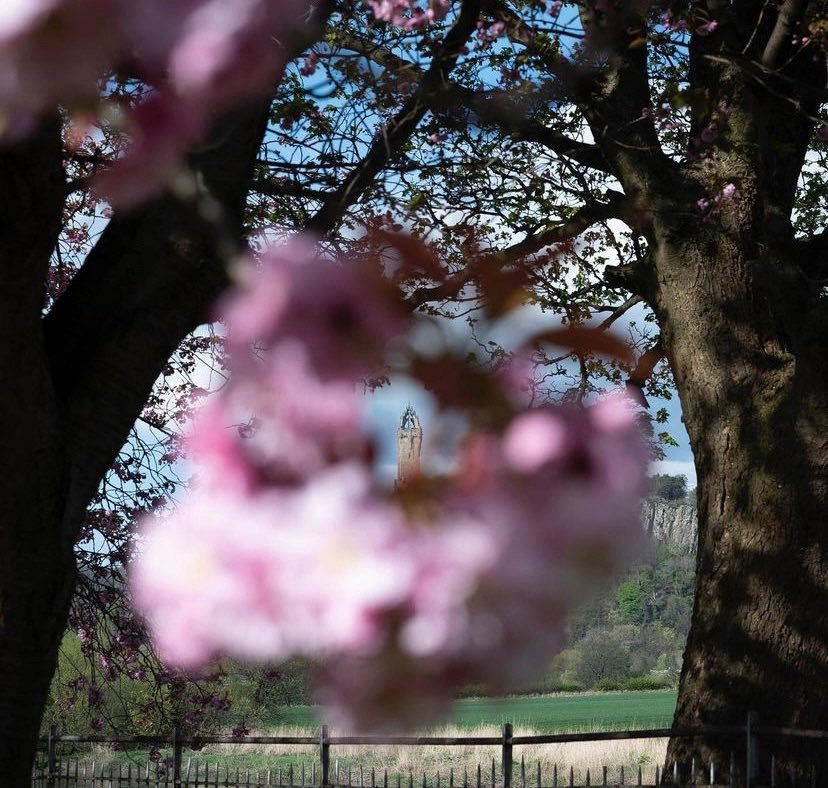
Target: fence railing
column 175, row 775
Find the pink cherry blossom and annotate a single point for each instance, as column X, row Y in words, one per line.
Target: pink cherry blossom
column 287, row 545
column 17, row 16
column 218, row 446
column 201, row 57
column 289, row 424
column 533, row 439
column 308, row 570
column 672, row 23
column 162, row 128
column 343, row 312
column 706, row 28
column 229, row 49
column 406, row 14
column 50, row 51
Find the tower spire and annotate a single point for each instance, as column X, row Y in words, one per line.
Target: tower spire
column 409, row 443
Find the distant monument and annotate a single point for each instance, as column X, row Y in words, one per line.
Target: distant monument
column 409, row 442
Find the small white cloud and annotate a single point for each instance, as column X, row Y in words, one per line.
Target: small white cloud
column 675, row 468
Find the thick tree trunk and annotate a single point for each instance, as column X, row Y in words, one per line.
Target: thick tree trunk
column 37, row 582
column 36, row 561
column 75, row 381
column 746, row 340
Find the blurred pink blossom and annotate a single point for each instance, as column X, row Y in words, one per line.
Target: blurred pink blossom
column 50, row 51
column 344, row 313
column 302, row 570
column 706, row 28
column 162, row 127
column 287, row 546
column 295, row 424
column 200, row 57
column 533, row 439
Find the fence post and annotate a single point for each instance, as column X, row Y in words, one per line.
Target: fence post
column 752, row 750
column 51, row 757
column 325, row 755
column 506, row 757
column 176, row 747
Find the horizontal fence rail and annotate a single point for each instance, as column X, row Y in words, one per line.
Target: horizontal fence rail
column 551, row 738
column 176, row 772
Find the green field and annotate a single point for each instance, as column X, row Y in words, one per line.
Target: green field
column 584, row 711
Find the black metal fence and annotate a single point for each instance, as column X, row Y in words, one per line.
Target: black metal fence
column 178, row 773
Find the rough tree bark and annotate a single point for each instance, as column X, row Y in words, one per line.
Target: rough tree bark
column 743, row 314
column 745, row 336
column 743, row 317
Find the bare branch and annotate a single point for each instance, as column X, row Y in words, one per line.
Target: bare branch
column 583, row 219
column 643, row 370
column 788, row 18
column 397, row 132
column 620, row 311
column 496, row 107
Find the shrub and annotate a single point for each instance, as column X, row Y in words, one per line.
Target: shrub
column 564, row 685
column 629, row 600
column 607, row 685
column 671, row 488
column 602, row 658
column 472, row 691
column 646, row 683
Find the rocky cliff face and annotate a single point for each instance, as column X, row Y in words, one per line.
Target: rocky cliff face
column 675, row 524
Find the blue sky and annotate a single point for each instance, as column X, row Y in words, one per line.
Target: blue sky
column 385, row 406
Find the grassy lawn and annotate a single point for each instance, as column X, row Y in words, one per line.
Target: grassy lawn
column 585, row 711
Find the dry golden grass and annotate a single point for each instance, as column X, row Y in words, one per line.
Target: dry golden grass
column 460, row 762
column 437, row 766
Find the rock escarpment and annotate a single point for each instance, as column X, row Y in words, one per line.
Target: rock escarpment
column 671, row 523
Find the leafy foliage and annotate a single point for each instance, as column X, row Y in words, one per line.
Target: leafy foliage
column 671, row 488
column 646, row 616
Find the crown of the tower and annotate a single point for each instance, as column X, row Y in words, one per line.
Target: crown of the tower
column 409, row 418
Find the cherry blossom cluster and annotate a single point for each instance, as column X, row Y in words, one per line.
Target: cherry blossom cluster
column 701, row 25
column 200, row 56
column 816, row 33
column 195, row 58
column 663, row 115
column 288, row 546
column 488, row 33
column 710, row 206
column 716, row 128
column 408, row 14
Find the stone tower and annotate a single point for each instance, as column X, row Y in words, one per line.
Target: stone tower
column 409, row 442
